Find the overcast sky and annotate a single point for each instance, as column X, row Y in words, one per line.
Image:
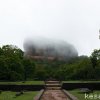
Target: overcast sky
column 75, row 21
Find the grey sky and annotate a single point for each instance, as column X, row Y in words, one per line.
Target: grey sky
column 75, row 21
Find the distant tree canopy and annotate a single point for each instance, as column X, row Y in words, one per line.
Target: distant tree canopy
column 15, row 67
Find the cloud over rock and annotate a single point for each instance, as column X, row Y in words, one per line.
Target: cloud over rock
column 50, row 49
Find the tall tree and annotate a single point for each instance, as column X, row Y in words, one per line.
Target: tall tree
column 95, row 56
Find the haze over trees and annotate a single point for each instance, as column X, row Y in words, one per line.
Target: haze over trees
column 15, row 67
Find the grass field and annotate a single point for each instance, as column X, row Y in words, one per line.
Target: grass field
column 24, row 83
column 8, row 95
column 42, row 82
column 78, row 81
column 81, row 96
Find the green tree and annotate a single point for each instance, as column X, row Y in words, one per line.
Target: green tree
column 29, row 68
column 11, row 50
column 95, row 56
column 11, row 67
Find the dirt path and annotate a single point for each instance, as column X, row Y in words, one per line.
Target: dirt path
column 54, row 95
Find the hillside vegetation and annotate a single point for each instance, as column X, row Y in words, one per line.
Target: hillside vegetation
column 15, row 67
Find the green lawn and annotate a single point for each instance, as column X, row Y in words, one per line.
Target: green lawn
column 79, row 81
column 24, row 83
column 81, row 96
column 7, row 95
column 42, row 82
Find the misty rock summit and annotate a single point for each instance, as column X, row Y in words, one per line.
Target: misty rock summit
column 41, row 48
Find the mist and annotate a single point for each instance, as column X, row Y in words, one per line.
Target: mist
column 49, row 48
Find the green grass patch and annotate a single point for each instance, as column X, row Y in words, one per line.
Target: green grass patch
column 81, row 81
column 81, row 96
column 24, row 83
column 8, row 95
column 42, row 82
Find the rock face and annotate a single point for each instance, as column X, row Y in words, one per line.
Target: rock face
column 47, row 49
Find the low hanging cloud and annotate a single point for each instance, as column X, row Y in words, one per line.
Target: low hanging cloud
column 48, row 48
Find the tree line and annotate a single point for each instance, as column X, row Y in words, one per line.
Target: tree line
column 15, row 67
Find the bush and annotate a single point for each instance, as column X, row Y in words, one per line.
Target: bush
column 0, row 91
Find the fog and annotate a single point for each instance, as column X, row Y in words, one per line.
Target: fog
column 49, row 48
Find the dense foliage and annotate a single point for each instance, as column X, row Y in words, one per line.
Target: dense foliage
column 14, row 67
